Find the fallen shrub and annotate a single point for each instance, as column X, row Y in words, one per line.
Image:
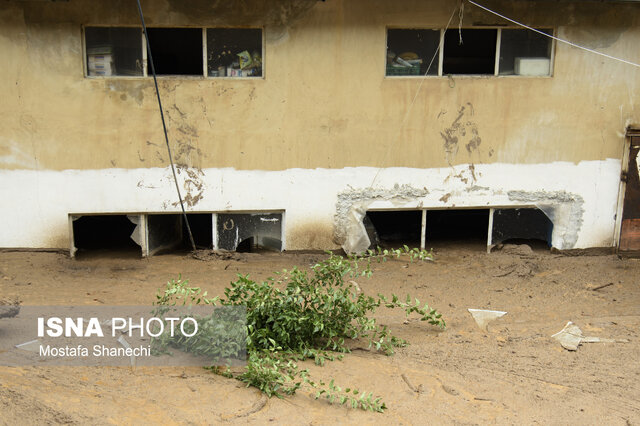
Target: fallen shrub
column 302, row 315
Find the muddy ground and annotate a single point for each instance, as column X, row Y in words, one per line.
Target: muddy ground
column 513, row 373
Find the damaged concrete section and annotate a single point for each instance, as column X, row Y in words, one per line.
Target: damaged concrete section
column 554, row 217
column 564, row 210
column 352, row 207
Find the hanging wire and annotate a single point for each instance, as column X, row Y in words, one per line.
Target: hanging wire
column 460, row 18
column 415, row 96
column 164, row 127
column 554, row 37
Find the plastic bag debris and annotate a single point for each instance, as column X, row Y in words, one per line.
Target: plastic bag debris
column 357, row 240
column 31, row 346
column 483, row 317
column 570, row 337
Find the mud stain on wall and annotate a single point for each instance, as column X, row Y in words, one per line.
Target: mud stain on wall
column 462, row 130
column 243, row 12
column 134, row 89
column 311, row 236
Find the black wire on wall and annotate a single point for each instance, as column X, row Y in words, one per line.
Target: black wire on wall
column 164, row 126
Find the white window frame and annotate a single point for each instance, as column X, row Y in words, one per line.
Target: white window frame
column 496, row 68
column 145, row 66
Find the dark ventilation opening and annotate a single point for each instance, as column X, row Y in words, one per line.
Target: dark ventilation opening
column 393, row 229
column 104, row 234
column 522, row 226
column 176, row 51
column 460, row 226
column 202, row 229
column 167, row 233
column 476, row 54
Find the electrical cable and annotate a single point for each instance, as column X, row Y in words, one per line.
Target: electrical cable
column 164, row 127
column 554, row 37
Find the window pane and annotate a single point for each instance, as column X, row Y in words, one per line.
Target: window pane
column 409, row 52
column 234, row 52
column 176, row 51
column 476, row 54
column 113, row 51
column 524, row 52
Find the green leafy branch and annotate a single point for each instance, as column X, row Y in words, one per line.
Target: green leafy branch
column 300, row 315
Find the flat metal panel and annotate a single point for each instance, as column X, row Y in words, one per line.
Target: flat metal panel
column 264, row 228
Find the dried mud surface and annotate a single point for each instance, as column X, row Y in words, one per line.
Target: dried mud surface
column 513, row 373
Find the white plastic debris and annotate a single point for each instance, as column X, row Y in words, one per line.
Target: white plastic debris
column 570, row 337
column 483, row 317
column 31, row 346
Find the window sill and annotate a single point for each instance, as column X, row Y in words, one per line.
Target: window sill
column 168, row 77
column 465, row 76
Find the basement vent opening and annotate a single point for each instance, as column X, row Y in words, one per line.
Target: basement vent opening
column 151, row 234
column 167, row 233
column 457, row 226
column 394, row 228
column 521, row 226
column 102, row 234
column 485, row 227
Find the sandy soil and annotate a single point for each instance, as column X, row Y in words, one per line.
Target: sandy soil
column 513, row 373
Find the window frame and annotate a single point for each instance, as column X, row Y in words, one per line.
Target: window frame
column 496, row 67
column 146, row 72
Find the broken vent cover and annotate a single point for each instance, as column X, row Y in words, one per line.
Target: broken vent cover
column 250, row 232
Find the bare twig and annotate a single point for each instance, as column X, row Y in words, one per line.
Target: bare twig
column 406, row 380
column 601, row 286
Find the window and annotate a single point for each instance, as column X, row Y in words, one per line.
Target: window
column 176, row 51
column 475, row 55
column 483, row 51
column 409, row 52
column 113, row 51
column 524, row 52
column 204, row 52
column 234, row 52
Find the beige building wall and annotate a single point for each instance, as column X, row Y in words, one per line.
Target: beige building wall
column 324, row 103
